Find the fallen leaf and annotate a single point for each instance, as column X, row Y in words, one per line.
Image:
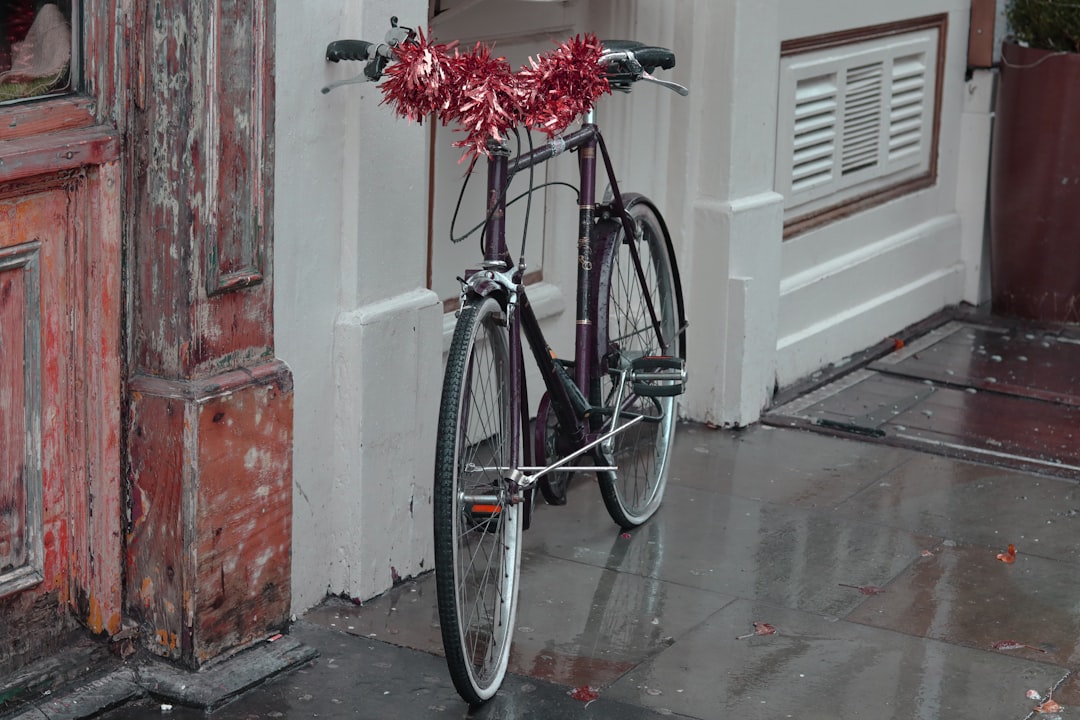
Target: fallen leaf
column 898, row 344
column 1013, row 645
column 1050, row 706
column 760, row 628
column 865, row 589
column 585, row 693
column 1009, row 556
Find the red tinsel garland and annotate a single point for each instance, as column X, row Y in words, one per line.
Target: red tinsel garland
column 485, row 98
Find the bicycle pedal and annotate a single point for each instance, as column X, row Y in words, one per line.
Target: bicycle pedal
column 658, row 376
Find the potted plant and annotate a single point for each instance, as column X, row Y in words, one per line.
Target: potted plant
column 1035, row 167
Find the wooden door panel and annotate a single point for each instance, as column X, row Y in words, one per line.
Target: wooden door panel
column 60, row 491
column 20, row 456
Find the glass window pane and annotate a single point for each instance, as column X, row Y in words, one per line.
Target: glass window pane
column 35, row 48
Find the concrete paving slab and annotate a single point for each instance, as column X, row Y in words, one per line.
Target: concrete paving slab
column 576, row 624
column 972, row 503
column 713, row 541
column 817, row 668
column 965, row 596
column 776, row 465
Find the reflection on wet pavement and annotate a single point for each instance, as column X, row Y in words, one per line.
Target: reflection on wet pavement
column 785, row 527
column 877, row 566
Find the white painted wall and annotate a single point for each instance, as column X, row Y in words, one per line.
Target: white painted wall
column 352, row 316
column 852, row 283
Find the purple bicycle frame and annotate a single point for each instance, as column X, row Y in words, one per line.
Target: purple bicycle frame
column 592, row 245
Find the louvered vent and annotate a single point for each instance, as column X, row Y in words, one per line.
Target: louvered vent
column 855, row 119
column 862, row 116
column 815, row 132
column 907, row 105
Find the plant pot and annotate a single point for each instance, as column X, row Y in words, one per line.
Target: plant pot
column 1035, row 187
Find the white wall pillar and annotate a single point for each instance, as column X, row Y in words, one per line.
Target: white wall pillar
column 976, row 133
column 732, row 219
column 353, row 317
column 387, row 373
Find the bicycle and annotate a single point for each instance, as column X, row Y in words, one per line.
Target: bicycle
column 615, row 401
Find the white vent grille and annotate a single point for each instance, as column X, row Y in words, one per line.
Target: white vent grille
column 907, row 106
column 815, row 132
column 854, row 119
column 862, row 117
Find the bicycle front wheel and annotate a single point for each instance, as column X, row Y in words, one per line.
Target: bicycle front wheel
column 477, row 526
column 641, row 284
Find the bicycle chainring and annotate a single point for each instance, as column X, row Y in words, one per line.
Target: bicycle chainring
column 554, row 485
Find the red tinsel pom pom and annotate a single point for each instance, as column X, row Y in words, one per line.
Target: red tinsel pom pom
column 420, row 82
column 480, row 94
column 485, row 101
column 563, row 84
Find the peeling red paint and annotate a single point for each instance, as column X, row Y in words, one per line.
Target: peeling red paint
column 214, row 545
column 63, row 209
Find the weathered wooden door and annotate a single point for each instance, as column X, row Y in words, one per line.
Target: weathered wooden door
column 60, row 488
column 60, row 329
column 155, row 135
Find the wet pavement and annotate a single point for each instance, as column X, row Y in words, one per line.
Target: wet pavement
column 976, row 387
column 877, row 567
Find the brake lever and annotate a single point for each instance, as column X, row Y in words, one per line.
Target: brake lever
column 665, row 83
column 361, row 78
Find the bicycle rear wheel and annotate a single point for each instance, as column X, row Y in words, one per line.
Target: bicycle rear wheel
column 477, row 527
column 633, row 493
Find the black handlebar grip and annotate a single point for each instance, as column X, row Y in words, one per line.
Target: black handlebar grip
column 653, row 57
column 348, row 50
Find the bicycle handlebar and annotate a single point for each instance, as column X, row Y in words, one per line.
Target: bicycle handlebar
column 484, row 96
column 626, row 61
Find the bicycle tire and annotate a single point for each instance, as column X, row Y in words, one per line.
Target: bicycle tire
column 633, row 493
column 477, row 528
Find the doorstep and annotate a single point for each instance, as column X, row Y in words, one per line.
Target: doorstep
column 102, row 685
